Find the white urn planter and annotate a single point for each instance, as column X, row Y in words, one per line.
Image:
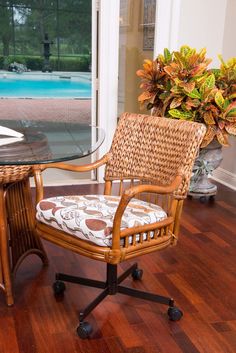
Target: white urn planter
column 209, row 159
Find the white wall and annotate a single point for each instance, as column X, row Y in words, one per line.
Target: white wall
column 211, row 24
column 227, row 169
column 229, row 42
column 202, row 25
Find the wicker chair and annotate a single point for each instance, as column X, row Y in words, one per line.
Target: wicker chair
column 150, row 157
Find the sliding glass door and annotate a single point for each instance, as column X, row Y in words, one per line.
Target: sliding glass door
column 136, row 43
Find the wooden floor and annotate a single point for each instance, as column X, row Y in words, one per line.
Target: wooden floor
column 200, row 273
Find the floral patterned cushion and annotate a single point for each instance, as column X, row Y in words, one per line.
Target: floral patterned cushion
column 90, row 217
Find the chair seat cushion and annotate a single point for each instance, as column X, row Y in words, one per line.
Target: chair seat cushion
column 90, row 217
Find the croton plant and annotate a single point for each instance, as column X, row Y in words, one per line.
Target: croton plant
column 181, row 85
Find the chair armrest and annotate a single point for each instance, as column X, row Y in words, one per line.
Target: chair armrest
column 39, row 168
column 75, row 168
column 129, row 194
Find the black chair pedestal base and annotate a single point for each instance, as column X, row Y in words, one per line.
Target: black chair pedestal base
column 111, row 287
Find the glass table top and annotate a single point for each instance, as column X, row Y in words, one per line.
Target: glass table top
column 48, row 141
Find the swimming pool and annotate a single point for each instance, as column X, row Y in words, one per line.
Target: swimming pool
column 29, row 85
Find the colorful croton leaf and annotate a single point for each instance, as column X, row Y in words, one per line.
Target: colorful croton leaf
column 180, row 85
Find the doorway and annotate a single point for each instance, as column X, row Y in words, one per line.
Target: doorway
column 47, row 57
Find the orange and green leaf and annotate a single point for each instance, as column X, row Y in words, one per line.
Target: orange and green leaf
column 231, row 128
column 167, row 55
column 179, row 114
column 231, row 119
column 222, row 138
column 176, row 102
column 208, row 118
column 208, row 84
column 180, row 85
column 146, row 96
column 219, row 99
column 194, row 94
column 209, row 136
column 187, row 86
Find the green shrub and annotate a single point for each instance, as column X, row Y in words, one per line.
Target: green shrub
column 18, row 58
column 35, row 63
column 78, row 63
column 1, row 62
column 5, row 61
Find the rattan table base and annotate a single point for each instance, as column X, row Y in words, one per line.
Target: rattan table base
column 17, row 233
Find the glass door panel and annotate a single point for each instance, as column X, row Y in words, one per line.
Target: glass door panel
column 50, row 44
column 46, row 61
column 136, row 43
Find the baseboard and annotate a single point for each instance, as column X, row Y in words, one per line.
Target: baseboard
column 225, row 177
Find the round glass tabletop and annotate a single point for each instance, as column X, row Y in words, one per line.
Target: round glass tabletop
column 47, row 141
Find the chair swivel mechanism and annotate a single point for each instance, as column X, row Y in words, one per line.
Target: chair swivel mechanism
column 147, row 174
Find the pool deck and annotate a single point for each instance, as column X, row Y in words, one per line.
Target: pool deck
column 47, row 75
column 46, row 109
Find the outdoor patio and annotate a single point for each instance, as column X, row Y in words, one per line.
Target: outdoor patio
column 46, row 109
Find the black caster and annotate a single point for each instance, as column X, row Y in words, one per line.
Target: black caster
column 174, row 313
column 59, row 288
column 84, row 329
column 137, row 274
column 203, row 199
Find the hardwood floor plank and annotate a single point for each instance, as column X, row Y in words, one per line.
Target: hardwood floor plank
column 8, row 336
column 199, row 273
column 185, row 343
column 203, row 336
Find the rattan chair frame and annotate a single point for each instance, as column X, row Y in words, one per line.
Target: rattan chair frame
column 139, row 143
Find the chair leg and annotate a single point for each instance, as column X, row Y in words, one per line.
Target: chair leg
column 111, row 287
column 145, row 295
column 80, row 280
column 93, row 304
column 128, row 272
column 85, row 328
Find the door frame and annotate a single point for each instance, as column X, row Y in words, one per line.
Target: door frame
column 167, row 25
column 107, row 69
column 166, row 35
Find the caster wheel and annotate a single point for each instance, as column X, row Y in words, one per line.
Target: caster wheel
column 84, row 330
column 137, row 274
column 203, row 199
column 174, row 313
column 59, row 288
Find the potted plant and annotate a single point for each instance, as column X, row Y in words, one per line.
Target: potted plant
column 181, row 85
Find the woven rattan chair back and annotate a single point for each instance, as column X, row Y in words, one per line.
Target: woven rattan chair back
column 154, row 149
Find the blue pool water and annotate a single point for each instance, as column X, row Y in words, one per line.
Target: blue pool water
column 34, row 87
